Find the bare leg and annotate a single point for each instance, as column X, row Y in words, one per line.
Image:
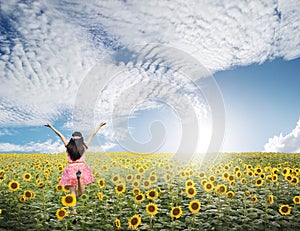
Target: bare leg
column 80, row 187
column 73, row 191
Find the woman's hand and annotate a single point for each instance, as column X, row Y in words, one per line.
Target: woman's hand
column 102, row 124
column 48, row 125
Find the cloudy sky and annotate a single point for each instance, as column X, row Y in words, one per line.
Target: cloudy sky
column 166, row 76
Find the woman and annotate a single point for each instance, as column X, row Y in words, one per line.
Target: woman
column 77, row 173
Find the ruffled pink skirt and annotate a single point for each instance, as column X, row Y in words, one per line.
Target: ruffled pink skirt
column 69, row 175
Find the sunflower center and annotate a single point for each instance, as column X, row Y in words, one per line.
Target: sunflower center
column 14, row 185
column 176, row 211
column 152, row 194
column 284, row 209
column 195, row 206
column 69, row 199
column 151, row 208
column 191, row 191
column 120, row 188
column 28, row 194
column 134, row 221
column 139, row 197
column 208, row 186
column 61, row 213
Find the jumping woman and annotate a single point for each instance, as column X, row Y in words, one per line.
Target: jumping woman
column 77, row 173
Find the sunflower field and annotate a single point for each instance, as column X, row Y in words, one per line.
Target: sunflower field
column 237, row 191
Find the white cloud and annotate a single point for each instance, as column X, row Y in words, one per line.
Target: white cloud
column 48, row 48
column 44, row 147
column 289, row 143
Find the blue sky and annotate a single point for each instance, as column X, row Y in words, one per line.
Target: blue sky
column 260, row 100
column 220, row 74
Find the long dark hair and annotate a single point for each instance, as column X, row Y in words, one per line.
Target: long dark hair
column 76, row 146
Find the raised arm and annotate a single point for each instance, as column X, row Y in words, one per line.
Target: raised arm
column 61, row 136
column 94, row 133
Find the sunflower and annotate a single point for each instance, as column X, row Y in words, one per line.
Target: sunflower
column 182, row 174
column 100, row 196
column 176, row 212
column 275, row 171
column 120, row 189
column 286, row 171
column 22, row 199
column 201, row 175
column 136, row 191
column 69, row 200
column 191, row 191
column 27, row 194
column 61, row 214
column 41, row 184
column 66, row 189
column 152, row 194
column 189, row 183
column 153, row 178
column 294, row 181
column 135, row 184
column 141, row 170
column 59, row 188
column 212, row 178
column 194, row 206
column 259, row 182
column 101, row 183
column 296, row 200
column 288, row 178
column 0, row 211
column 225, row 176
column 243, row 180
column 258, row 170
column 26, row 176
column 236, row 169
column 139, row 198
column 151, row 209
column 167, row 177
column 274, row 178
column 118, row 223
column 208, row 186
column 238, row 174
column 138, row 176
column 146, row 184
column 13, row 185
column 230, row 194
column 221, row 189
column 254, row 199
column 247, row 193
column 129, row 177
column 134, row 221
column 271, row 199
column 285, row 209
column 250, row 173
column 115, row 179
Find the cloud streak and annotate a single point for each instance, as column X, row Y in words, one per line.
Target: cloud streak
column 43, row 147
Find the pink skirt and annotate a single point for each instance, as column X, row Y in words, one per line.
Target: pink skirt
column 69, row 175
